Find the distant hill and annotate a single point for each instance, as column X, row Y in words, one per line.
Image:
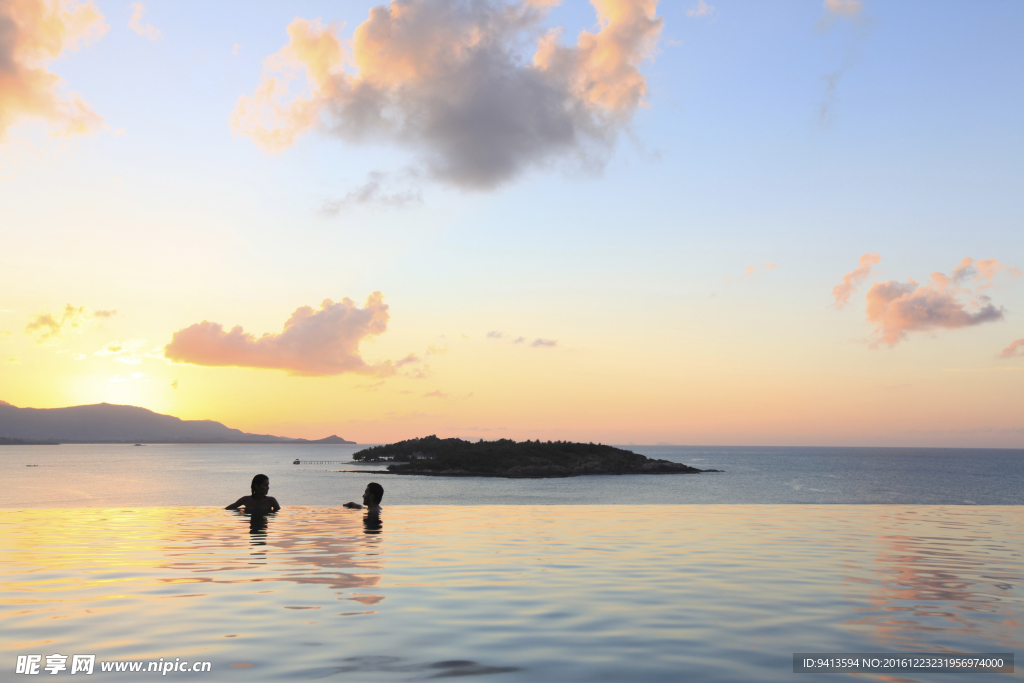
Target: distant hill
column 107, row 423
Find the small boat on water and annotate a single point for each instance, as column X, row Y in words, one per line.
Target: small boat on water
column 138, row 444
column 296, row 461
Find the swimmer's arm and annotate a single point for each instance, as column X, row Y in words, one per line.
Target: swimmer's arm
column 241, row 502
column 274, row 505
column 354, row 506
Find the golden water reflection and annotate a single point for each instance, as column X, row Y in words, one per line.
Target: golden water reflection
column 721, row 592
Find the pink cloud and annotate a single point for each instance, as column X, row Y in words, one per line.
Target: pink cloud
column 411, row 358
column 1016, row 348
column 32, row 34
column 947, row 302
column 854, row 278
column 319, row 343
column 844, row 8
column 751, row 271
column 136, row 24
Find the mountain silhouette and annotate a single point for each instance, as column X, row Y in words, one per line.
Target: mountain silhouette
column 108, row 423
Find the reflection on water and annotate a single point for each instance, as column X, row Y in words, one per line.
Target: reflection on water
column 576, row 593
column 257, row 534
column 933, row 585
column 372, row 523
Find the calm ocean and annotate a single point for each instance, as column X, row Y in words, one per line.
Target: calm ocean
column 711, row 577
column 200, row 475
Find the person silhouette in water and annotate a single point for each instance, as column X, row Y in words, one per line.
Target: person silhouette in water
column 259, row 503
column 371, row 499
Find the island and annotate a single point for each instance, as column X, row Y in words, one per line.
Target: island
column 432, row 456
column 8, row 441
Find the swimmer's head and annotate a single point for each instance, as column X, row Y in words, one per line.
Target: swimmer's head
column 373, row 494
column 260, row 485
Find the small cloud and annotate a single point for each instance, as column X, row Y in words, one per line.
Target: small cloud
column 7, row 310
column 947, row 302
column 433, row 350
column 985, row 271
column 464, row 335
column 544, row 343
column 235, row 49
column 411, row 358
column 519, row 340
column 374, row 386
column 14, row 361
column 495, row 335
column 825, row 107
column 841, row 292
column 6, row 336
column 1016, row 348
column 174, row 384
column 703, row 9
column 126, row 352
column 312, row 343
column 851, row 11
column 845, row 9
column 372, row 193
column 135, row 23
column 435, row 394
column 51, row 326
column 105, row 314
column 79, row 356
column 752, row 271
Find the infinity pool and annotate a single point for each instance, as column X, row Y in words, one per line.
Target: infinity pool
column 511, row 593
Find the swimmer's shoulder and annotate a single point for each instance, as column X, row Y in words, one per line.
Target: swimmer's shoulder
column 244, row 501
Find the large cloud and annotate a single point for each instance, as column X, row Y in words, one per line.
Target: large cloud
column 841, row 292
column 451, row 81
column 324, row 342
column 948, row 301
column 32, row 34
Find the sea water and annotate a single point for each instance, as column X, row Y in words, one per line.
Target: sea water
column 124, row 475
column 124, row 553
column 510, row 593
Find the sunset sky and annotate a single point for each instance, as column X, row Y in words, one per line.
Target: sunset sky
column 692, row 222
